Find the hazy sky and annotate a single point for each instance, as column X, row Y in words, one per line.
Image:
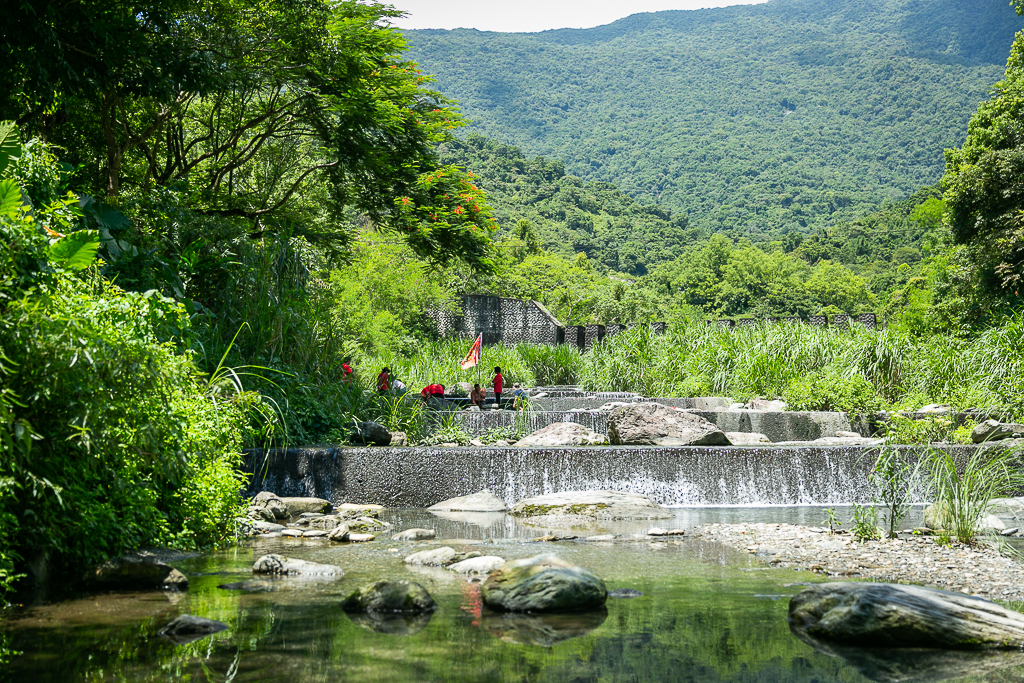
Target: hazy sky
column 535, row 15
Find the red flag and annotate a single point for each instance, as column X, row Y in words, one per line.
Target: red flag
column 473, row 357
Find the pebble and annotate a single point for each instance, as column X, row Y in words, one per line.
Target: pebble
column 977, row 570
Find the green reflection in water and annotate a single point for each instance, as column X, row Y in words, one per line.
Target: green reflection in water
column 706, row 615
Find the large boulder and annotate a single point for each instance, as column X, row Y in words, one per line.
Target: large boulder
column 481, row 501
column 652, row 424
column 562, row 434
column 993, row 430
column 286, row 566
column 545, row 583
column 891, row 615
column 597, row 504
column 297, row 505
column 187, row 628
column 270, row 506
column 371, row 433
column 404, row 597
column 137, row 571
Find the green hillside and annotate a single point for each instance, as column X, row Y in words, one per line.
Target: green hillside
column 754, row 120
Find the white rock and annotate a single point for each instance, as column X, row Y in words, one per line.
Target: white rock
column 478, row 565
column 360, row 538
column 595, row 503
column 747, row 438
column 414, row 535
column 562, row 434
column 481, row 501
column 435, row 557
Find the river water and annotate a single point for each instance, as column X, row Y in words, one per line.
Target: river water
column 707, row 613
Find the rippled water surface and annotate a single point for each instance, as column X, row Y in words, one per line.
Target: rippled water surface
column 706, row 614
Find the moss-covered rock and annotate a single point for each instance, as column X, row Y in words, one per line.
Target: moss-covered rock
column 545, row 583
column 398, row 597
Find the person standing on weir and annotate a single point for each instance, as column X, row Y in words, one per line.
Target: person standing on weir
column 498, row 382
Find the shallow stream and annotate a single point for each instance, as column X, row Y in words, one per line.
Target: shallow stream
column 707, row 613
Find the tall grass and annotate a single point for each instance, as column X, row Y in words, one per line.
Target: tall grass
column 820, row 368
column 963, row 492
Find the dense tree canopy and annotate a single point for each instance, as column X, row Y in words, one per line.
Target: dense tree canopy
column 284, row 114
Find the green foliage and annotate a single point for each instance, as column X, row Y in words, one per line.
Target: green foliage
column 110, row 438
column 832, row 389
column 894, row 478
column 756, row 120
column 983, row 196
column 865, row 523
column 76, row 251
column 964, row 490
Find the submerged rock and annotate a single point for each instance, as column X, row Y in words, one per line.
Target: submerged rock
column 597, row 504
column 414, row 535
column 869, row 614
column 481, row 501
column 652, row 424
column 625, row 593
column 562, row 434
column 138, row 570
column 286, row 566
column 187, row 628
column 403, row 597
column 545, row 583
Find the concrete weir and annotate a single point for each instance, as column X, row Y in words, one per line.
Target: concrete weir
column 686, row 476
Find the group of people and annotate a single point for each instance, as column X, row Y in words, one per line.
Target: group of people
column 387, row 384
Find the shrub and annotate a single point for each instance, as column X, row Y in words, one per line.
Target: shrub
column 831, row 390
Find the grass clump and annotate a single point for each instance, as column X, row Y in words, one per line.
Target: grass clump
column 963, row 492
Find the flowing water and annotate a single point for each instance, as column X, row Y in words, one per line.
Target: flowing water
column 706, row 614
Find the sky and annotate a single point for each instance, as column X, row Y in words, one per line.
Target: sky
column 519, row 16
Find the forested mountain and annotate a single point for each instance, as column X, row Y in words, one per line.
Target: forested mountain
column 568, row 215
column 755, row 120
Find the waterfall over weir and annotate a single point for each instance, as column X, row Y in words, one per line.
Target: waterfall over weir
column 684, row 476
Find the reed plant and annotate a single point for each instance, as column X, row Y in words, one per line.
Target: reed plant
column 964, row 491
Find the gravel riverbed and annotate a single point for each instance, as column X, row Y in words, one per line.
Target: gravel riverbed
column 976, row 570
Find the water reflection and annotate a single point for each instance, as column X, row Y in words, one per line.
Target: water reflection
column 544, row 630
column 391, row 624
column 907, row 665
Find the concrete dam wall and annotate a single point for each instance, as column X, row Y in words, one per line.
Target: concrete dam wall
column 685, row 476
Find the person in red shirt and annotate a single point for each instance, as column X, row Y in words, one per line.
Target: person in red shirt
column 498, row 382
column 433, row 394
column 384, row 381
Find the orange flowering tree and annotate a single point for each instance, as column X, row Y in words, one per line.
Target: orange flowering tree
column 446, row 216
